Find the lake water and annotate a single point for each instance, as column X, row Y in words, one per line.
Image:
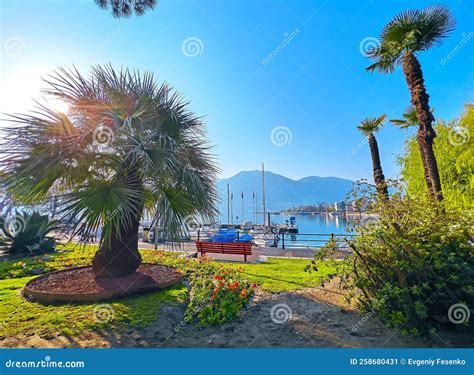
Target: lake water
column 314, row 230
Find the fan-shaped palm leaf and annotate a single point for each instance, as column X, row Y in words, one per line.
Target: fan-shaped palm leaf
column 125, row 144
column 371, row 125
column 410, row 31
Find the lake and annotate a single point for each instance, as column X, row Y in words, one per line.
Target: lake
column 308, row 226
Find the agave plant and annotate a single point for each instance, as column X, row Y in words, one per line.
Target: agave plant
column 369, row 127
column 27, row 234
column 407, row 34
column 125, row 145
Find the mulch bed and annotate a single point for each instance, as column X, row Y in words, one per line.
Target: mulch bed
column 79, row 284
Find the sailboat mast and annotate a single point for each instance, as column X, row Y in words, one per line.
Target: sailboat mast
column 253, row 208
column 242, row 218
column 228, row 205
column 263, row 196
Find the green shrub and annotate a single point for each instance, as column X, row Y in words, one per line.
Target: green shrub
column 414, row 263
column 27, row 234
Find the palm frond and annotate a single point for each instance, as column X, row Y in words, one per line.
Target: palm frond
column 371, row 125
column 125, row 8
column 410, row 31
column 150, row 134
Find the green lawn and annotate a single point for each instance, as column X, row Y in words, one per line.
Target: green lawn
column 279, row 275
column 18, row 316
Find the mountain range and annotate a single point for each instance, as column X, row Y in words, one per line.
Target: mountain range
column 280, row 192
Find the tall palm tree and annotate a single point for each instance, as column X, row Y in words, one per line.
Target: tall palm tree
column 408, row 33
column 125, row 145
column 368, row 127
column 125, row 8
column 410, row 119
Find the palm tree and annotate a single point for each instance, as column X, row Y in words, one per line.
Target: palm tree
column 125, row 145
column 368, row 127
column 408, row 33
column 410, row 119
column 125, row 8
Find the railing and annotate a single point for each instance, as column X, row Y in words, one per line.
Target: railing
column 289, row 240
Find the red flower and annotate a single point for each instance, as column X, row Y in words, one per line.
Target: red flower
column 219, row 277
column 254, row 285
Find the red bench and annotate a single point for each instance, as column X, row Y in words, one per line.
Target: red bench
column 236, row 248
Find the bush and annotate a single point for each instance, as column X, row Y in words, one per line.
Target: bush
column 27, row 234
column 217, row 294
column 414, row 263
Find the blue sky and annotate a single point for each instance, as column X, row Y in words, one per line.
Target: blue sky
column 310, row 96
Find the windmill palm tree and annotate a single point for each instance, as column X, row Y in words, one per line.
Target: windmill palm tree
column 410, row 119
column 408, row 33
column 368, row 127
column 125, row 145
column 125, row 8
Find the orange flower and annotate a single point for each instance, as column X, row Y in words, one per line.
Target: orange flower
column 218, row 277
column 179, row 270
column 243, row 293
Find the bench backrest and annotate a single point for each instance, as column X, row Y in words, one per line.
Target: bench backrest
column 224, row 247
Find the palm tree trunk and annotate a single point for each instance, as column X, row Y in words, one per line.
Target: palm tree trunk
column 426, row 134
column 118, row 257
column 379, row 178
column 425, row 167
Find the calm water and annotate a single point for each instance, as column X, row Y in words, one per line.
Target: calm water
column 309, row 225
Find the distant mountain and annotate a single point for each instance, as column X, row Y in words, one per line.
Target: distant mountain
column 281, row 192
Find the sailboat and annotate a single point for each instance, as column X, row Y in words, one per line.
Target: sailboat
column 262, row 235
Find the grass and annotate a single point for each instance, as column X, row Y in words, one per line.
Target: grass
column 285, row 275
column 21, row 317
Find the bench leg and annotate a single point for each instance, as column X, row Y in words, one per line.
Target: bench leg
column 245, row 257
